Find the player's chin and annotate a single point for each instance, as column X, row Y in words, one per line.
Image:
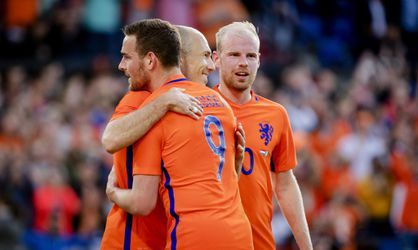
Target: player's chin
column 242, row 85
column 134, row 87
column 204, row 79
column 242, row 82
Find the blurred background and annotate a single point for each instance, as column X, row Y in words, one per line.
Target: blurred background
column 346, row 71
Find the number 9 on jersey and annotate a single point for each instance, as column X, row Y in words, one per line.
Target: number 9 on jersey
column 217, row 150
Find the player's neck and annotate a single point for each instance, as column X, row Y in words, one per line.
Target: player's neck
column 235, row 96
column 159, row 78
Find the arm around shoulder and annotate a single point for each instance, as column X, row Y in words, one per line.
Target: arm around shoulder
column 124, row 131
column 141, row 199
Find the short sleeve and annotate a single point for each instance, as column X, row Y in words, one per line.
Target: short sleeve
column 147, row 152
column 130, row 102
column 284, row 153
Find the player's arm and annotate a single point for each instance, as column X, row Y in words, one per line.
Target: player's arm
column 124, row 131
column 239, row 148
column 139, row 200
column 289, row 196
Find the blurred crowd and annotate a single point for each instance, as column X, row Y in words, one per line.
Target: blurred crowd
column 346, row 71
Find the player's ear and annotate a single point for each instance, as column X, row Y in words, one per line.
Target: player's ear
column 216, row 58
column 259, row 54
column 151, row 60
column 181, row 61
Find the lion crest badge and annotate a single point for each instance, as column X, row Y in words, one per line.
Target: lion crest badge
column 266, row 132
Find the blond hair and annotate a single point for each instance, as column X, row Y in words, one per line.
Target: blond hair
column 239, row 27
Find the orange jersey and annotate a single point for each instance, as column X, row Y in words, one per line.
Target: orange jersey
column 269, row 147
column 199, row 186
column 123, row 230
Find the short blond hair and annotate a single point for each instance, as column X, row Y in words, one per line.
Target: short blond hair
column 241, row 27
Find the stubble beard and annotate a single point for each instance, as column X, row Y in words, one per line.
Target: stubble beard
column 143, row 80
column 235, row 85
column 134, row 86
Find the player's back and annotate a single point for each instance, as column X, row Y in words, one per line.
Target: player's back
column 199, row 186
column 123, row 230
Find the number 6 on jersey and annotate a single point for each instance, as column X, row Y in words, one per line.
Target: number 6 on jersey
column 217, row 150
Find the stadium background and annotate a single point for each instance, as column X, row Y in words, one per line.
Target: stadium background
column 345, row 70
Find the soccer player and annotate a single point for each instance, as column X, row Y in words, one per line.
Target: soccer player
column 196, row 63
column 270, row 152
column 128, row 124
column 194, row 159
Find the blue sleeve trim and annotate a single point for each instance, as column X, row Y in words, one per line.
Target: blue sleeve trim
column 128, row 226
column 167, row 185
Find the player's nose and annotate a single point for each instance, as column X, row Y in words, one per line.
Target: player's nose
column 122, row 65
column 210, row 65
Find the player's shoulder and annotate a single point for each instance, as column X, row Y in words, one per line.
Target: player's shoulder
column 267, row 103
column 210, row 98
column 204, row 90
column 134, row 98
column 197, row 86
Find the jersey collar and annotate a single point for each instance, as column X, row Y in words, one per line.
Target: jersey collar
column 254, row 98
column 175, row 78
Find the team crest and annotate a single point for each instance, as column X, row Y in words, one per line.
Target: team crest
column 266, row 132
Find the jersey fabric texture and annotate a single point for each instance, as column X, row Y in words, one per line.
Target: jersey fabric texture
column 195, row 159
column 269, row 147
column 123, row 230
